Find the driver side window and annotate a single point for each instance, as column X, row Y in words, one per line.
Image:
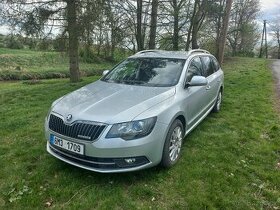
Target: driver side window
column 194, row 69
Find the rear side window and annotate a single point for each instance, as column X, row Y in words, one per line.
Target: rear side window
column 195, row 69
column 207, row 66
column 215, row 64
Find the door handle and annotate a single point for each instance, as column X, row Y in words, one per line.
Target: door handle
column 208, row 87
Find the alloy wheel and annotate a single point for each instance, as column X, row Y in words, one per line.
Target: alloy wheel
column 175, row 143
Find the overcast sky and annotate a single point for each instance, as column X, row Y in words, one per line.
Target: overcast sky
column 270, row 9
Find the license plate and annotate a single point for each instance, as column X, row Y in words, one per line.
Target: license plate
column 67, row 145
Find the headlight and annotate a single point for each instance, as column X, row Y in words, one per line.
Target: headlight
column 132, row 130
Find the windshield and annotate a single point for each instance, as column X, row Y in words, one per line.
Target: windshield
column 159, row 72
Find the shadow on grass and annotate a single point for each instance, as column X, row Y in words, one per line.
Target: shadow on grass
column 90, row 177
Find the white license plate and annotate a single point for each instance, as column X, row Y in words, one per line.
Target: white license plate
column 67, row 145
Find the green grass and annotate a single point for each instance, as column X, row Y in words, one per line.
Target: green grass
column 28, row 64
column 229, row 161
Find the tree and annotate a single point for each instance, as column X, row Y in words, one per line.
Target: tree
column 73, row 32
column 275, row 27
column 243, row 32
column 139, row 35
column 197, row 20
column 198, row 16
column 216, row 15
column 176, row 6
column 111, row 25
column 224, row 30
column 33, row 17
column 90, row 14
column 153, row 27
column 172, row 20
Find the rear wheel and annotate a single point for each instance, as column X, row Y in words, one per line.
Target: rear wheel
column 218, row 103
column 173, row 144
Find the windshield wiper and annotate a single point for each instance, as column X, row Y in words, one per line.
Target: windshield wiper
column 108, row 80
column 130, row 82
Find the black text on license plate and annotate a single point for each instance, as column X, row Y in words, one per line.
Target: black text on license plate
column 67, row 145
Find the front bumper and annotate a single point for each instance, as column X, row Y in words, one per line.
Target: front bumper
column 110, row 155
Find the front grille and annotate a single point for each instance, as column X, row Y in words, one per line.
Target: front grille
column 78, row 130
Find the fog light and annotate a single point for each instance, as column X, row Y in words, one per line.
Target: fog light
column 130, row 160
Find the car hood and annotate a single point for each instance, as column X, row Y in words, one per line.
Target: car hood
column 110, row 102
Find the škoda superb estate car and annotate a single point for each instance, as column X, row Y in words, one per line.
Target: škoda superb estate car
column 137, row 115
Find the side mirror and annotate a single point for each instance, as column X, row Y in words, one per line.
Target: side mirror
column 197, row 81
column 105, row 72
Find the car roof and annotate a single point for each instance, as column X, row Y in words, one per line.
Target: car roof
column 168, row 54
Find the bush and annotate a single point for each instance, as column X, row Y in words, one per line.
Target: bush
column 250, row 54
column 44, row 45
column 17, row 75
column 60, row 44
column 13, row 42
column 87, row 55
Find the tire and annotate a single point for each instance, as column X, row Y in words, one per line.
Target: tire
column 174, row 139
column 218, row 102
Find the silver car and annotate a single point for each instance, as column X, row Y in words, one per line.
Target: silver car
column 137, row 115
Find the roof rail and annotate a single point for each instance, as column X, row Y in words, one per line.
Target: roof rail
column 197, row 51
column 147, row 51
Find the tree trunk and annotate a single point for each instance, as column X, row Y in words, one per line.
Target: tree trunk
column 194, row 36
column 73, row 41
column 218, row 29
column 175, row 39
column 113, row 45
column 279, row 51
column 139, row 39
column 278, row 40
column 224, row 32
column 112, row 23
column 100, row 40
column 191, row 27
column 153, row 29
column 144, row 23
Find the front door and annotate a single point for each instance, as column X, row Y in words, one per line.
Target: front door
column 195, row 98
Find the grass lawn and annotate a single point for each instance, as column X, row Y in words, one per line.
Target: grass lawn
column 29, row 64
column 229, row 161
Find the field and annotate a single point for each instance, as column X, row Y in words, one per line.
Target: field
column 28, row 64
column 230, row 161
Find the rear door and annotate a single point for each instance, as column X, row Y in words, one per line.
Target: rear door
column 213, row 80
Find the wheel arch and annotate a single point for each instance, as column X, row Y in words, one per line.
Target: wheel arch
column 178, row 116
column 182, row 119
column 222, row 88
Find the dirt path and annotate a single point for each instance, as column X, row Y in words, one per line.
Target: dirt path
column 276, row 72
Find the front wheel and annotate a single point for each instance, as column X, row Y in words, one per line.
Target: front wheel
column 218, row 103
column 173, row 144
